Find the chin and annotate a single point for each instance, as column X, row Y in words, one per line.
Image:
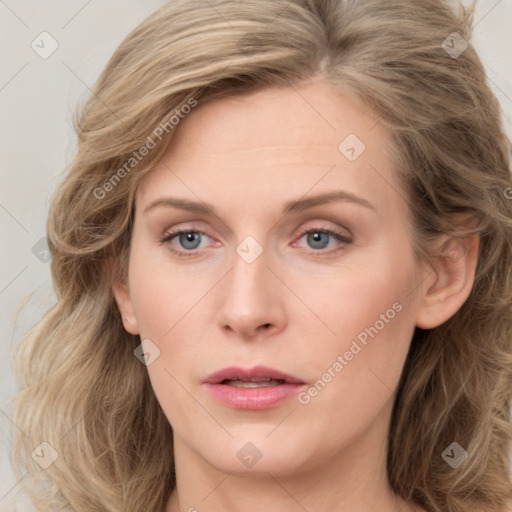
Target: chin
column 258, row 454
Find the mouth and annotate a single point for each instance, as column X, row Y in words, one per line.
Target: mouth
column 256, row 388
column 253, row 383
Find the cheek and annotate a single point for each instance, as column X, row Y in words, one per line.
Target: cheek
column 354, row 296
column 167, row 303
column 368, row 312
column 166, row 308
column 162, row 292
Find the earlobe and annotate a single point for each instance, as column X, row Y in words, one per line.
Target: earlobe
column 124, row 303
column 450, row 281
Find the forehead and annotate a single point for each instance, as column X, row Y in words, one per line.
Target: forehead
column 272, row 142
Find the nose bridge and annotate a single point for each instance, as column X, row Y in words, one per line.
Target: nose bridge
column 248, row 280
column 249, row 301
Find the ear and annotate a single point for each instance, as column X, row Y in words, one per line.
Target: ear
column 123, row 299
column 449, row 282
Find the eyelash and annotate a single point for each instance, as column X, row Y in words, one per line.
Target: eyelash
column 187, row 254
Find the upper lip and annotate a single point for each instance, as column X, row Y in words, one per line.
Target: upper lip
column 257, row 372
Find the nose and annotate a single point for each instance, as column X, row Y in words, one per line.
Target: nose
column 251, row 306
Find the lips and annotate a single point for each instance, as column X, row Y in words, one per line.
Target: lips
column 254, row 389
column 258, row 374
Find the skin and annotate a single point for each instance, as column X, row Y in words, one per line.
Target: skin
column 247, row 156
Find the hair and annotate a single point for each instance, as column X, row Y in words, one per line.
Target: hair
column 80, row 387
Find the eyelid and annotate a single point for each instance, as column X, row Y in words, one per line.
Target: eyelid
column 316, row 226
column 173, row 234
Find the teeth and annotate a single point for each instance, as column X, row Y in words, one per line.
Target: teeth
column 253, row 383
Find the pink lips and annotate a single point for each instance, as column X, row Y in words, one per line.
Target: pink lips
column 255, row 398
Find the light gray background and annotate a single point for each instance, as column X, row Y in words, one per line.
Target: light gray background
column 37, row 97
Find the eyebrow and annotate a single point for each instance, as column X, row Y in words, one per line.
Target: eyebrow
column 293, row 206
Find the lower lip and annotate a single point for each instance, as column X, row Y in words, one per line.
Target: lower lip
column 253, row 398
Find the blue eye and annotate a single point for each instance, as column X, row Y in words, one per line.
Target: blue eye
column 190, row 241
column 318, row 239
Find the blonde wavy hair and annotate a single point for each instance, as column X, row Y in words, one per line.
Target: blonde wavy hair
column 80, row 387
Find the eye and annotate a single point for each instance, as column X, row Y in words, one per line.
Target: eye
column 318, row 239
column 189, row 240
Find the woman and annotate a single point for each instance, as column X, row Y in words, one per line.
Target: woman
column 283, row 262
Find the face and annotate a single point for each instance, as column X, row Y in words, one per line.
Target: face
column 322, row 292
